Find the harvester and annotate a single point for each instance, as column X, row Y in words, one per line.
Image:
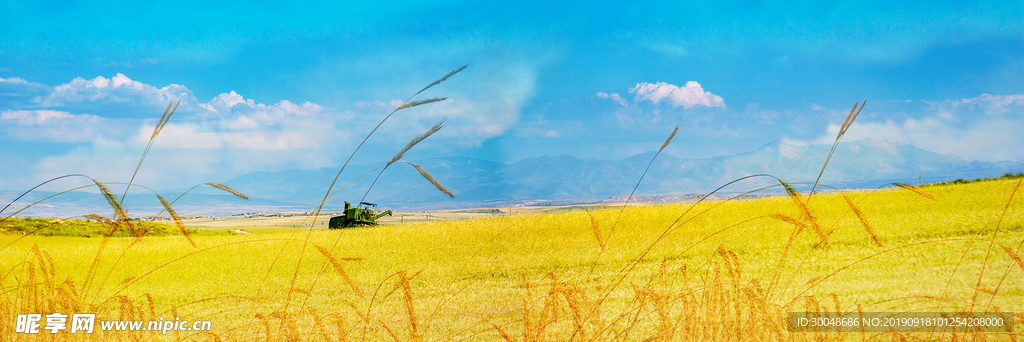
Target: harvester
column 362, row 215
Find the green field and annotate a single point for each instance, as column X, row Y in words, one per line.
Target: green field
column 724, row 270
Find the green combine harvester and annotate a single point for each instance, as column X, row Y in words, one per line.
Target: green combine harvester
column 355, row 217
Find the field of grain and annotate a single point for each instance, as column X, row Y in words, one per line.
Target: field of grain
column 724, row 270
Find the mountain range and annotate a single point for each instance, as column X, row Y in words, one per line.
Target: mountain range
column 857, row 164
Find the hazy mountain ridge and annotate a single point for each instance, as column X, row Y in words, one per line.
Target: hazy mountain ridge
column 856, row 164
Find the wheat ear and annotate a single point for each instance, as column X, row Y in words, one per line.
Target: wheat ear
column 432, row 181
column 177, row 219
column 842, row 131
column 156, row 131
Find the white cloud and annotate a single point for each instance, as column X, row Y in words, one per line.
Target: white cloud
column 230, row 135
column 45, row 117
column 234, row 112
column 983, row 104
column 983, row 128
column 815, row 106
column 118, row 89
column 13, row 80
column 50, row 125
column 690, row 95
column 192, row 136
column 613, row 96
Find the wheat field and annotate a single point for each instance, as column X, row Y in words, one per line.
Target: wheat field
column 725, row 270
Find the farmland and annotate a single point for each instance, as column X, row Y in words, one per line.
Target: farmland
column 527, row 275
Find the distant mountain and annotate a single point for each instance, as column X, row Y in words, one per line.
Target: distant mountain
column 862, row 163
column 857, row 164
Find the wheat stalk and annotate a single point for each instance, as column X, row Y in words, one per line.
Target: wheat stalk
column 863, row 220
column 119, row 213
column 842, row 131
column 806, row 210
column 504, row 334
column 914, row 189
column 420, row 102
column 442, row 79
column 415, row 141
column 177, row 219
column 156, row 131
column 432, row 181
column 401, row 154
column 596, row 228
column 410, row 310
column 215, row 185
column 228, row 189
column 340, row 270
column 1013, row 255
column 99, row 218
column 631, row 193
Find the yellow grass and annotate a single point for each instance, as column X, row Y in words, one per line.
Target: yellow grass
column 728, row 271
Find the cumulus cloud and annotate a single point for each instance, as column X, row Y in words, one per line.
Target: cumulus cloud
column 984, row 104
column 45, row 117
column 49, row 125
column 983, row 128
column 690, row 95
column 230, row 134
column 117, row 89
column 613, row 96
column 232, row 111
column 17, row 93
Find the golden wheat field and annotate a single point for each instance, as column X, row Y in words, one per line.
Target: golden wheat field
column 716, row 270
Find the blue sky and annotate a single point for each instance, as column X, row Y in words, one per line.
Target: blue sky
column 268, row 87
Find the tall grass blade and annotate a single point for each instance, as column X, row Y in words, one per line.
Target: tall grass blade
column 915, row 190
column 863, row 220
column 414, row 329
column 596, row 228
column 177, row 219
column 420, row 102
column 228, row 189
column 119, row 213
column 415, row 141
column 799, row 225
column 1013, row 255
column 98, row 218
column 631, row 193
column 35, row 187
column 504, row 334
column 667, row 141
column 842, row 131
column 340, row 270
column 805, row 210
column 433, row 181
column 401, row 154
column 156, row 131
column 442, row 79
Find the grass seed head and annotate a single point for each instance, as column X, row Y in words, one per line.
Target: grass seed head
column 339, row 269
column 667, row 141
column 228, row 189
column 420, row 102
column 863, row 220
column 1013, row 255
column 177, row 219
column 442, row 79
column 433, row 181
column 415, row 141
column 914, row 189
